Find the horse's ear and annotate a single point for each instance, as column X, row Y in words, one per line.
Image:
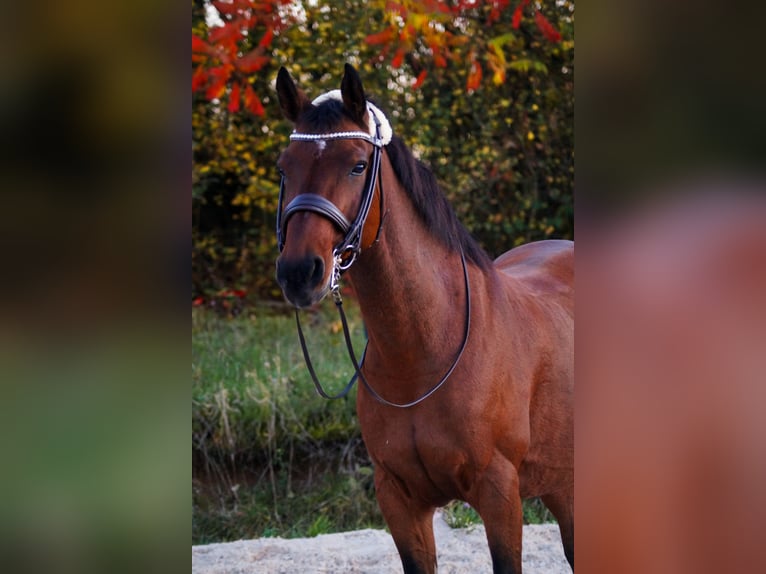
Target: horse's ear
column 291, row 99
column 354, row 99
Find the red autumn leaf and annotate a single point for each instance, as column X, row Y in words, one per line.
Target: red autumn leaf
column 199, row 78
column 199, row 45
column 396, row 7
column 218, row 78
column 474, row 77
column 267, row 38
column 440, row 6
column 439, row 60
column 421, row 78
column 240, row 293
column 409, row 32
column 252, row 102
column 234, row 98
column 547, row 28
column 517, row 14
column 380, row 37
column 398, row 58
column 252, row 62
column 226, row 34
column 197, row 301
column 215, row 89
column 497, row 8
column 233, row 7
column 224, row 7
column 261, row 7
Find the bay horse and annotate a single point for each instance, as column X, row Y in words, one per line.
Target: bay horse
column 497, row 335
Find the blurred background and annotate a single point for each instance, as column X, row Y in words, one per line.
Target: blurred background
column 483, row 92
column 94, row 220
column 671, row 272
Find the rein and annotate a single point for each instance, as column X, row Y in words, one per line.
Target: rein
column 358, row 369
column 346, row 252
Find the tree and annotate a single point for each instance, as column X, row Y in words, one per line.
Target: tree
column 482, row 91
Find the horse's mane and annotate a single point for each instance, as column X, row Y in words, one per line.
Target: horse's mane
column 420, row 184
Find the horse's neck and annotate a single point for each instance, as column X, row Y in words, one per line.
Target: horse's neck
column 411, row 290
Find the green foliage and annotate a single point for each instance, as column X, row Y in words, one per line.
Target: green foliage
column 331, row 501
column 292, row 505
column 251, row 393
column 535, row 512
column 459, row 514
column 503, row 152
column 270, row 458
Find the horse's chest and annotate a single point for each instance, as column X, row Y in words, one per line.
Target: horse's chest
column 427, row 455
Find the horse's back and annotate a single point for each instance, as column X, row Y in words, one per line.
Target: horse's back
column 545, row 266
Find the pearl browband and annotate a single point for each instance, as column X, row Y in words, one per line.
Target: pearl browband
column 296, row 136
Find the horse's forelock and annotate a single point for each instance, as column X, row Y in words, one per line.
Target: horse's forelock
column 325, row 117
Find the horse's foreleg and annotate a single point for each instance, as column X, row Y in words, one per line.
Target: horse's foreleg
column 499, row 505
column 411, row 526
column 561, row 504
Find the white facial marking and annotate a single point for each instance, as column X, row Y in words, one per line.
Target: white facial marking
column 321, row 144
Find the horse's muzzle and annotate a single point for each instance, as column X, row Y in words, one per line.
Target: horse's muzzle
column 300, row 279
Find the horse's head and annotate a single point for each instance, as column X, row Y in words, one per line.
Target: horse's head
column 327, row 172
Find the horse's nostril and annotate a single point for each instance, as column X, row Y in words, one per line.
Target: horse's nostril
column 299, row 278
column 318, row 273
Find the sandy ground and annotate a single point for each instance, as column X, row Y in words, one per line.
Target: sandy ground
column 373, row 552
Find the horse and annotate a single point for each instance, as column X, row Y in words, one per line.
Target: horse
column 498, row 336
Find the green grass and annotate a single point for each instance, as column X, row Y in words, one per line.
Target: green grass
column 251, row 392
column 271, row 457
column 459, row 514
column 338, row 499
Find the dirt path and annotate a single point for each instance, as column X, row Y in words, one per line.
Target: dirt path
column 373, row 552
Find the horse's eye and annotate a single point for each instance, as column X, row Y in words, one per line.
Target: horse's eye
column 359, row 168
